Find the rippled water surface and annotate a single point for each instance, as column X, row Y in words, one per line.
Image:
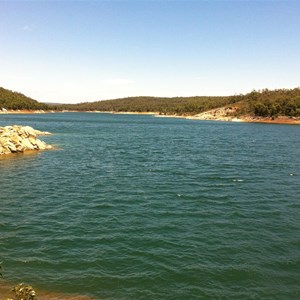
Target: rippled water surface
column 136, row 207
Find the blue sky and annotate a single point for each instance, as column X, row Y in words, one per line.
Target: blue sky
column 75, row 51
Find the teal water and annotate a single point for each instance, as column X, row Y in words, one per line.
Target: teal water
column 136, row 207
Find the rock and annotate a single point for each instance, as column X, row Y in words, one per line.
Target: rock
column 12, row 147
column 24, row 292
column 16, row 138
column 26, row 145
column 40, row 145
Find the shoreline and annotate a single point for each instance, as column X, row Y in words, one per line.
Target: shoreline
column 23, row 111
column 212, row 115
column 250, row 119
column 6, row 291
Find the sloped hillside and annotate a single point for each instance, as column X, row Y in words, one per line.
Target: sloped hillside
column 264, row 103
column 15, row 100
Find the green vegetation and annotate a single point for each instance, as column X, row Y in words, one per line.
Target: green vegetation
column 265, row 103
column 15, row 100
column 177, row 105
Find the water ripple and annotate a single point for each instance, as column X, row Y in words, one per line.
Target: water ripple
column 141, row 207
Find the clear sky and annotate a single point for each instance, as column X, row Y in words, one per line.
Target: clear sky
column 75, row 51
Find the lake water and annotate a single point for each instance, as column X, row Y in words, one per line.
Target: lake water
column 137, row 207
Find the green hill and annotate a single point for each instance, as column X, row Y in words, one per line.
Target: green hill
column 265, row 103
column 177, row 105
column 15, row 100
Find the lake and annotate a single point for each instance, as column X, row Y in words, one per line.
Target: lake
column 138, row 207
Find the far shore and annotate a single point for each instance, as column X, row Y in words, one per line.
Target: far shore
column 242, row 119
column 24, row 111
column 206, row 116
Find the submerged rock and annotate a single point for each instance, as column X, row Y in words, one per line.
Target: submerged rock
column 14, row 139
column 23, row 292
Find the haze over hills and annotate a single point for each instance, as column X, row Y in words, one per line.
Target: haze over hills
column 264, row 103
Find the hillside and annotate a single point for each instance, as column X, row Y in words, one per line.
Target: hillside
column 14, row 100
column 265, row 103
column 165, row 106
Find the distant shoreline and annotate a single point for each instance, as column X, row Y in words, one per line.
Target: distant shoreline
column 205, row 116
column 23, row 111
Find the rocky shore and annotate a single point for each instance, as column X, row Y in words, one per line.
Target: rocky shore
column 16, row 139
column 5, row 111
column 227, row 114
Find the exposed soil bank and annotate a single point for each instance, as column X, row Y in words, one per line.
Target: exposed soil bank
column 226, row 114
column 23, row 111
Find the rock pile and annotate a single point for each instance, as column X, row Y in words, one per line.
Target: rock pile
column 220, row 114
column 14, row 139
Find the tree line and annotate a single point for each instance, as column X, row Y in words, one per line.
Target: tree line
column 264, row 103
column 14, row 100
column 176, row 105
column 272, row 103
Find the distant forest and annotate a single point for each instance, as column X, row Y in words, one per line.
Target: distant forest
column 177, row 105
column 264, row 103
column 267, row 103
column 14, row 100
